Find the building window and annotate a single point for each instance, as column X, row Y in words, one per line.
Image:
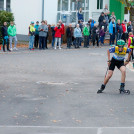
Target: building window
column 71, row 7
column 8, row 5
column 1, row 4
column 99, row 4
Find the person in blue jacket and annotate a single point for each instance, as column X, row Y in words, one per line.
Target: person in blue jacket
column 112, row 31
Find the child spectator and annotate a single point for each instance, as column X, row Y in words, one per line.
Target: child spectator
column 102, row 35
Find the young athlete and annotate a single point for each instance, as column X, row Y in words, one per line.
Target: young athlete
column 117, row 60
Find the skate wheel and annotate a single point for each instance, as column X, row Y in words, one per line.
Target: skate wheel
column 128, row 92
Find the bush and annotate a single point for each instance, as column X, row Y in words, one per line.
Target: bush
column 5, row 17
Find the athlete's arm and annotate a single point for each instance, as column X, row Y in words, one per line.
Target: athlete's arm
column 129, row 55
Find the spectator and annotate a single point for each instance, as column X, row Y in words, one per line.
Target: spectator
column 53, row 34
column 12, row 35
column 92, row 22
column 31, row 35
column 129, row 28
column 131, row 43
column 36, row 41
column 86, row 32
column 95, row 32
column 105, row 10
column 104, row 24
column 46, row 36
column 80, row 15
column 124, row 31
column 5, row 36
column 77, row 36
column 63, row 30
column 43, row 29
column 112, row 31
column 101, row 18
column 69, row 33
column 112, row 17
column 80, row 22
column 106, row 18
column 102, row 35
column 119, row 30
column 58, row 34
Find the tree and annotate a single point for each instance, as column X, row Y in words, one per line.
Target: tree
column 5, row 17
column 130, row 6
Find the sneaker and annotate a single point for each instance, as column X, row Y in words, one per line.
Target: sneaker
column 11, row 49
column 60, row 48
column 55, row 48
column 15, row 48
column 32, row 49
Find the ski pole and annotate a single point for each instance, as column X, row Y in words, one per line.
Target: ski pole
column 106, row 72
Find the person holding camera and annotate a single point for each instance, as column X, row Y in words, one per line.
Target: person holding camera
column 43, row 29
column 58, row 32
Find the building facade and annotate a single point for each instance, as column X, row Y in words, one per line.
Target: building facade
column 26, row 11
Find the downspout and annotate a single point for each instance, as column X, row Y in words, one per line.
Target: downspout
column 42, row 9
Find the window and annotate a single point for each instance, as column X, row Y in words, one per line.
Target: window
column 65, row 5
column 71, row 7
column 8, row 5
column 99, row 4
column 1, row 4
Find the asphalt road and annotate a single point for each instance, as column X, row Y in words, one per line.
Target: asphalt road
column 54, row 92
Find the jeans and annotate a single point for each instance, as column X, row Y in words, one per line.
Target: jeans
column 62, row 38
column 58, row 40
column 112, row 38
column 101, row 39
column 5, row 41
column 42, row 42
column 69, row 42
column 53, row 40
column 86, row 41
column 31, row 42
column 118, row 37
column 78, row 42
column 15, row 41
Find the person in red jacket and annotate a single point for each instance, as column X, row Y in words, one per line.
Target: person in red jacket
column 124, row 31
column 58, row 32
column 63, row 30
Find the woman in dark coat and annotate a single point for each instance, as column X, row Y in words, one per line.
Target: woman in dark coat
column 95, row 34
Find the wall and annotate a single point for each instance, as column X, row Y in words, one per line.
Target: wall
column 118, row 8
column 26, row 11
column 50, row 12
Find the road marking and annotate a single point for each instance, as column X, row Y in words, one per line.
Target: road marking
column 99, row 131
column 58, row 127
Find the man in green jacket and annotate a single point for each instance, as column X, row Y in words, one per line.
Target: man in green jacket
column 12, row 35
column 86, row 32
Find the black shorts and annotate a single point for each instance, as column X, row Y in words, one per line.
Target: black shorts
column 116, row 63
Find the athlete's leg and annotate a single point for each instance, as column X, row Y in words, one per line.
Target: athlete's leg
column 123, row 74
column 107, row 78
